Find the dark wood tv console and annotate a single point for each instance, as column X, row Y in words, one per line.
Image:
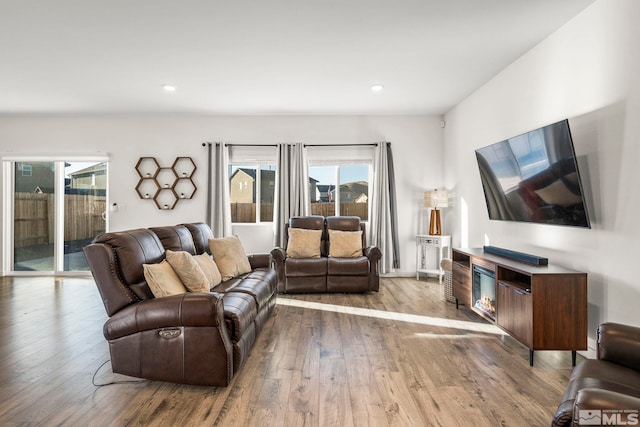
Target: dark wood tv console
column 544, row 307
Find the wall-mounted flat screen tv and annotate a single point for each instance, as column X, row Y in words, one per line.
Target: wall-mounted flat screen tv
column 534, row 177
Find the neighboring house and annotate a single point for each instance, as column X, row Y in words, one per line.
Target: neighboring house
column 37, row 177
column 93, row 177
column 242, row 186
column 352, row 192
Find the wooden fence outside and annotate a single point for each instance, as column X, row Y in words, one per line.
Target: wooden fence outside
column 246, row 212
column 34, row 218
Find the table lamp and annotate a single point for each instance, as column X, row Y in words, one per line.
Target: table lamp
column 435, row 199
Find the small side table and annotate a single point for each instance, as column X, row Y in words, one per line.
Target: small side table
column 430, row 250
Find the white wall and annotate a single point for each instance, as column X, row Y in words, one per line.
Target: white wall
column 416, row 143
column 589, row 72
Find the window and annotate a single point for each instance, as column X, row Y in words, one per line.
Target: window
column 350, row 196
column 340, row 178
column 252, row 190
column 26, row 169
column 252, row 178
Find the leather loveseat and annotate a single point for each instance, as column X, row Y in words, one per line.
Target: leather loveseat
column 199, row 338
column 325, row 273
column 607, row 387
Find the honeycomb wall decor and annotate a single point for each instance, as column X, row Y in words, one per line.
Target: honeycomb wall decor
column 165, row 185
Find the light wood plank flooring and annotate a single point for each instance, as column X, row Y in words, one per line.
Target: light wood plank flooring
column 400, row 357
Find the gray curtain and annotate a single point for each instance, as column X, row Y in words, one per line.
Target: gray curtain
column 219, row 209
column 292, row 188
column 383, row 230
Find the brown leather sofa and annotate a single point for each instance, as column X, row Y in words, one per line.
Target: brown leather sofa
column 327, row 274
column 194, row 338
column 608, row 384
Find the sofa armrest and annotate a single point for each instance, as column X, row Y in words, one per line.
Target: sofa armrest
column 564, row 415
column 189, row 309
column 619, row 344
column 259, row 260
column 373, row 253
column 589, row 399
column 278, row 255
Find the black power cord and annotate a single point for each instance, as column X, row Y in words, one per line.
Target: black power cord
column 93, row 380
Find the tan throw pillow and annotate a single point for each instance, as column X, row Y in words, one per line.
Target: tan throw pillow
column 188, row 270
column 209, row 268
column 229, row 256
column 345, row 244
column 303, row 243
column 162, row 280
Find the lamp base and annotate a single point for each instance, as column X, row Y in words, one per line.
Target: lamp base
column 435, row 227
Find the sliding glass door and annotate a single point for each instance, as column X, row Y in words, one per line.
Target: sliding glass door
column 57, row 208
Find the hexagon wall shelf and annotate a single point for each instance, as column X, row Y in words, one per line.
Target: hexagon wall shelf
column 165, row 185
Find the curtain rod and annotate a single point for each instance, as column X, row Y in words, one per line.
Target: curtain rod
column 204, row 144
column 342, row 145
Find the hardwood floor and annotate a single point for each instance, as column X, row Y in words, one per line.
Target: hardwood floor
column 400, row 357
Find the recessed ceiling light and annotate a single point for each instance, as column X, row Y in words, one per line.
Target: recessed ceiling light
column 169, row 88
column 377, row 88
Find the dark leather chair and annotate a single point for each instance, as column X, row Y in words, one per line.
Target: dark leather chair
column 327, row 274
column 609, row 383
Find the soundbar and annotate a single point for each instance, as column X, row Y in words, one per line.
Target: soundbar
column 518, row 256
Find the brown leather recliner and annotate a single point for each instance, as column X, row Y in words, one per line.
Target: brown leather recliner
column 194, row 338
column 608, row 384
column 327, row 274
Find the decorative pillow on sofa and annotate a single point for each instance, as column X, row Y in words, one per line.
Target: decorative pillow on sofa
column 209, row 268
column 188, row 270
column 303, row 243
column 162, row 280
column 345, row 244
column 229, row 256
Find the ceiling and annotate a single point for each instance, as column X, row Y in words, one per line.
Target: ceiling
column 261, row 56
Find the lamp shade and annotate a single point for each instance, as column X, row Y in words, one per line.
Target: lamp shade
column 436, row 199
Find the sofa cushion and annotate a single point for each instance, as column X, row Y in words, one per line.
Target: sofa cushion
column 175, row 238
column 200, row 233
column 304, row 243
column 132, row 249
column 348, row 266
column 301, row 267
column 345, row 244
column 209, row 268
column 163, row 280
column 188, row 270
column 230, row 256
column 604, row 375
column 259, row 290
